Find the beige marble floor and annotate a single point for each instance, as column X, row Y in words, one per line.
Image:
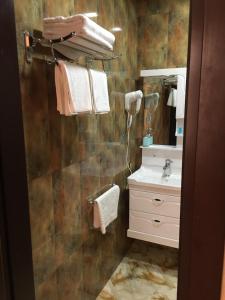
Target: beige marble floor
column 147, row 272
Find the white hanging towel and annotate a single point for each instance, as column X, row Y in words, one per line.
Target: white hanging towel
column 83, row 26
column 100, row 94
column 72, row 89
column 106, row 208
column 181, row 88
column 172, row 100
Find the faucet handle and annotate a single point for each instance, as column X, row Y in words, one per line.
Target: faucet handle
column 169, row 161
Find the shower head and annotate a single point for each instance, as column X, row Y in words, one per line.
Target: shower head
column 152, row 101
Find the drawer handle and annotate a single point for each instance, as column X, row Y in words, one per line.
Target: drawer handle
column 156, row 222
column 157, row 201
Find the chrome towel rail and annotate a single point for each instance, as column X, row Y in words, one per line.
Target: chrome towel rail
column 60, row 48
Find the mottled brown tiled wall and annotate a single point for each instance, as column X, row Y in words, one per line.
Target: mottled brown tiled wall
column 162, row 43
column 71, row 158
column 163, row 33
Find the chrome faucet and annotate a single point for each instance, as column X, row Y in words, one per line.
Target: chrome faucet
column 167, row 168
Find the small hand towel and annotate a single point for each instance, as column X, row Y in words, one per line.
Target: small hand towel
column 72, row 89
column 181, row 90
column 99, row 88
column 83, row 26
column 172, row 100
column 106, row 208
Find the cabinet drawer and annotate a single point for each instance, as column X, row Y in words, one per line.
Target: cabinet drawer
column 154, row 225
column 159, row 204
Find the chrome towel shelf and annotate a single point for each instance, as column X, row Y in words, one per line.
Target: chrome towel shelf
column 64, row 48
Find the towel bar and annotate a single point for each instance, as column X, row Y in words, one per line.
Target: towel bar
column 92, row 198
column 34, row 44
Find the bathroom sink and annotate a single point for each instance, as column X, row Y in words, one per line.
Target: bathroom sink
column 152, row 175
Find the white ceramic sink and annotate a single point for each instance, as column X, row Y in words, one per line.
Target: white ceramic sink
column 152, row 175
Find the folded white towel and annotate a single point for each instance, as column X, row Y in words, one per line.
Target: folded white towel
column 99, row 88
column 75, row 50
column 82, row 25
column 85, row 34
column 72, row 89
column 79, row 21
column 181, row 90
column 172, row 100
column 106, row 208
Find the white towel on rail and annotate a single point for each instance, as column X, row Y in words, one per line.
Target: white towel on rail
column 181, row 91
column 100, row 94
column 72, row 89
column 172, row 100
column 106, row 208
column 82, row 25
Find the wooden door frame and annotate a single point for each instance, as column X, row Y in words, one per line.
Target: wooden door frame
column 195, row 270
column 203, row 189
column 15, row 226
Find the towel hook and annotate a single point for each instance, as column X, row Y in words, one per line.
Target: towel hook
column 107, row 72
column 103, row 66
column 53, row 54
column 89, row 62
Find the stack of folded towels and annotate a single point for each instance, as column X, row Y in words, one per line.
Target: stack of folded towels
column 85, row 29
column 80, row 90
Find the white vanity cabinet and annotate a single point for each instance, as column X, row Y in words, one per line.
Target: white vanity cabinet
column 154, row 217
column 154, row 201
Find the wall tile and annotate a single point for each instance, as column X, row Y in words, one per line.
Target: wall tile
column 178, row 34
column 69, row 278
column 153, row 41
column 48, row 289
column 67, row 212
column 44, row 262
column 35, row 108
column 58, row 8
column 41, row 211
column 163, row 33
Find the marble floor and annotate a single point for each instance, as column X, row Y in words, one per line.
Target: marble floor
column 147, row 272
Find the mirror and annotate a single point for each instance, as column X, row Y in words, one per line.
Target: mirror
column 164, row 103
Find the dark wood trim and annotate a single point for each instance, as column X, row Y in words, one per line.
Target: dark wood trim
column 3, row 288
column 13, row 168
column 196, row 31
column 5, row 280
column 203, row 192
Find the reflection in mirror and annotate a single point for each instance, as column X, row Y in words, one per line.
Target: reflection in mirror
column 166, row 123
column 160, row 118
column 150, row 107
